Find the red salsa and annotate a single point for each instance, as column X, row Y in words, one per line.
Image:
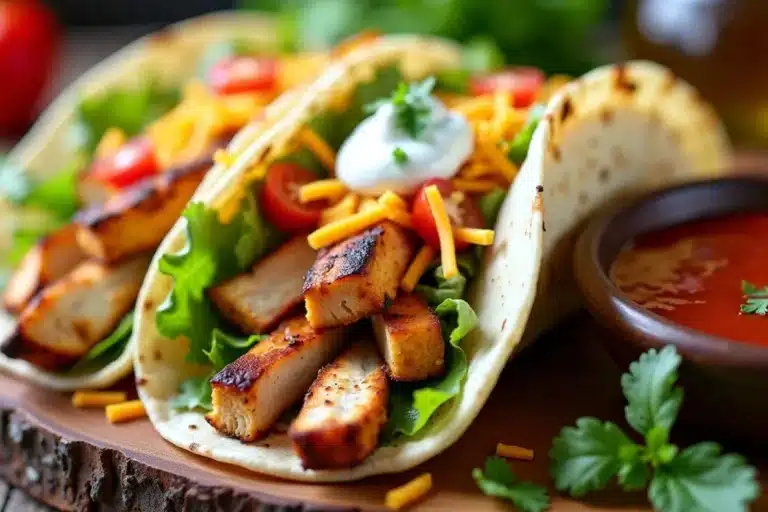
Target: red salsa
column 694, row 274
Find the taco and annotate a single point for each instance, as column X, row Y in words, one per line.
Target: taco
column 149, row 123
column 345, row 313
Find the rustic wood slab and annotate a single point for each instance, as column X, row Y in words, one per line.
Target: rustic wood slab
column 73, row 459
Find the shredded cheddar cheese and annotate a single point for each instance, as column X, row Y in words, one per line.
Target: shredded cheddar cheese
column 497, row 159
column 468, row 185
column 393, row 200
column 400, row 218
column 223, row 158
column 480, row 107
column 344, row 208
column 84, row 399
column 474, row 236
column 444, row 232
column 332, row 190
column 416, row 269
column 342, row 229
column 125, row 411
column 513, row 452
column 409, row 493
column 368, row 204
column 312, row 141
column 110, row 142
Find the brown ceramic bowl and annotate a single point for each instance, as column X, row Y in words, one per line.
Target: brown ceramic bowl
column 725, row 382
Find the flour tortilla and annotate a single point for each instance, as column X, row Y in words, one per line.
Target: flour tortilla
column 172, row 56
column 502, row 295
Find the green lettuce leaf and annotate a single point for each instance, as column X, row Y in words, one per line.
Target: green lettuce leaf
column 195, row 393
column 225, row 347
column 490, row 204
column 412, row 405
column 517, row 149
column 438, row 289
column 216, row 252
column 107, row 350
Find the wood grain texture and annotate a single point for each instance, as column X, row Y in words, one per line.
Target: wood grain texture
column 74, row 460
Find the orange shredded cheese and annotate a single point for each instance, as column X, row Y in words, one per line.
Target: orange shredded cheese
column 393, row 200
column 417, row 268
column 110, row 142
column 513, row 452
column 409, row 493
column 332, row 190
column 223, row 158
column 368, row 204
column 497, row 159
column 469, row 185
column 97, row 398
column 400, row 217
column 480, row 107
column 344, row 228
column 344, row 208
column 444, row 232
column 474, row 236
column 476, row 169
column 313, row 142
column 125, row 411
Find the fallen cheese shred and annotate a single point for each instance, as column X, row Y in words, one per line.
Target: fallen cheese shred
column 407, row 494
column 125, row 411
column 513, row 452
column 84, row 399
column 332, row 190
column 444, row 231
column 344, row 228
column 474, row 236
column 313, row 142
column 416, row 269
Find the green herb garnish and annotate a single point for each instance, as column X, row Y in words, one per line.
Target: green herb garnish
column 411, row 105
column 517, row 148
column 498, row 480
column 400, row 156
column 698, row 478
column 755, row 299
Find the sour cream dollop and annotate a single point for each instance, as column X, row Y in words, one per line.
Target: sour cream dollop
column 366, row 162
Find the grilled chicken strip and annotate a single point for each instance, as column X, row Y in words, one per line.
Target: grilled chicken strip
column 259, row 299
column 50, row 259
column 344, row 411
column 136, row 220
column 410, row 339
column 357, row 277
column 70, row 316
column 250, row 394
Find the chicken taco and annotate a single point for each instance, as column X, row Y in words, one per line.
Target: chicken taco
column 148, row 125
column 342, row 308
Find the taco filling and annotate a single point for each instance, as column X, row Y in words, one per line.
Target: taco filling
column 327, row 291
column 84, row 239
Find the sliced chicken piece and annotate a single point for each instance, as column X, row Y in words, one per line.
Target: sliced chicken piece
column 257, row 300
column 344, row 411
column 50, row 259
column 70, row 316
column 410, row 339
column 250, row 394
column 357, row 277
column 137, row 219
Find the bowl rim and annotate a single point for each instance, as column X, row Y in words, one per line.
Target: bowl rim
column 613, row 308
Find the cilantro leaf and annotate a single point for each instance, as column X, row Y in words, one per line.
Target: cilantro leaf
column 225, row 348
column 498, row 480
column 195, row 394
column 490, row 205
column 400, row 156
column 756, row 302
column 215, row 252
column 586, row 457
column 412, row 405
column 517, row 149
column 412, row 106
column 700, row 479
column 649, row 387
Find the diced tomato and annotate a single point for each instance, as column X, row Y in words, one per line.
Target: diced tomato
column 235, row 75
column 134, row 161
column 280, row 199
column 463, row 213
column 522, row 82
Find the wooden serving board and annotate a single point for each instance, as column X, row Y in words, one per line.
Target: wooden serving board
column 73, row 459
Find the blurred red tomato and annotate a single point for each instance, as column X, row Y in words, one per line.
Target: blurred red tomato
column 29, row 42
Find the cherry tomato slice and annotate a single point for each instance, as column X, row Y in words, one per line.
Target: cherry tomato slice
column 235, row 75
column 280, row 199
column 523, row 83
column 134, row 161
column 462, row 213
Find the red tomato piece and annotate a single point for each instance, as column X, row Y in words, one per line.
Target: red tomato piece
column 280, row 199
column 133, row 162
column 29, row 44
column 522, row 82
column 462, row 213
column 235, row 75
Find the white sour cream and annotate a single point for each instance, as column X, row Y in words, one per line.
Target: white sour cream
column 366, row 163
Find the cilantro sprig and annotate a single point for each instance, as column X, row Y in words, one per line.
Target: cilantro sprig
column 411, row 104
column 588, row 456
column 755, row 299
column 498, row 480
